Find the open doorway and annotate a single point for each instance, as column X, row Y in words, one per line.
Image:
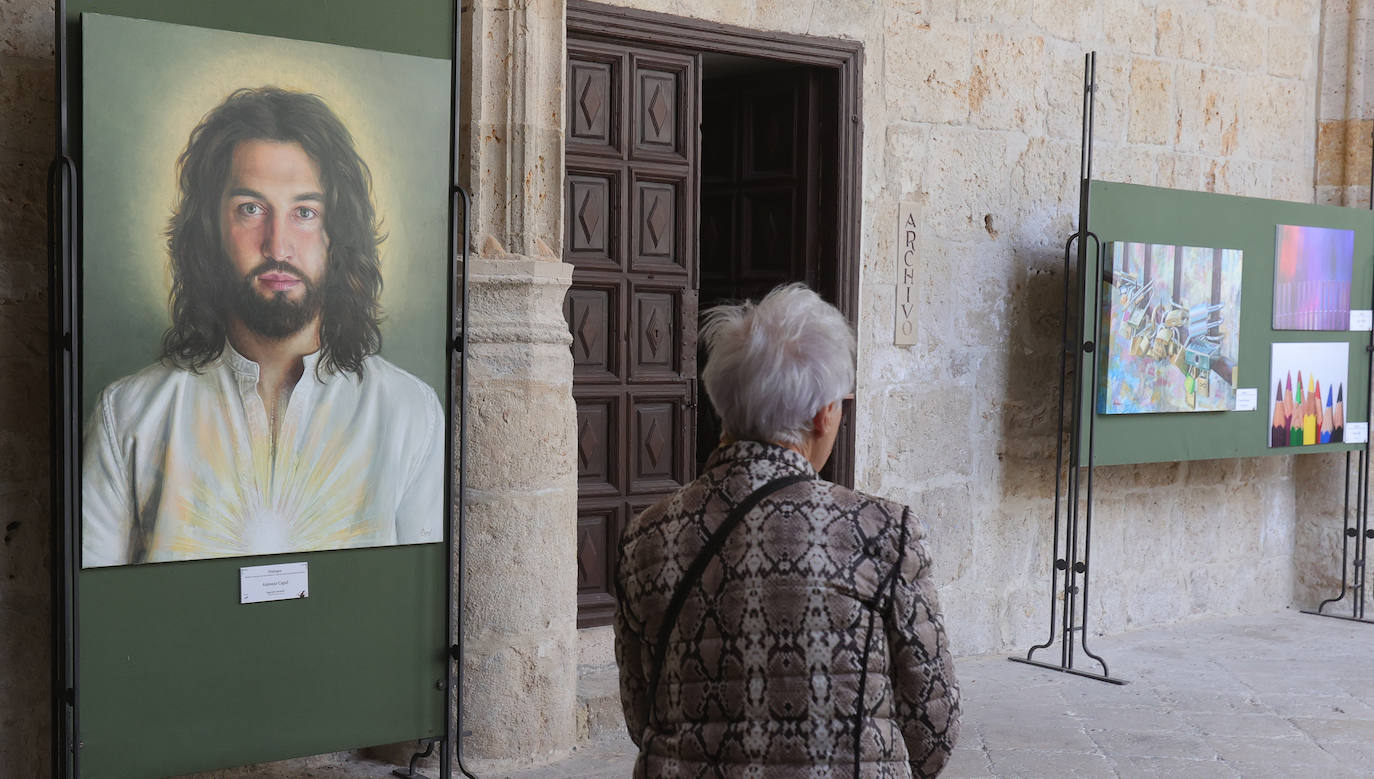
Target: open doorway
column 768, row 161
column 712, row 167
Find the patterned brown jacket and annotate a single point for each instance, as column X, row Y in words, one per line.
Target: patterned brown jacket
column 812, row 645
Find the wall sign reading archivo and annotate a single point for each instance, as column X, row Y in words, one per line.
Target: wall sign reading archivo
column 263, row 320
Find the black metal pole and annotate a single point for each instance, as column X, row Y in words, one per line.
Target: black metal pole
column 1080, row 348
column 455, row 585
column 64, row 350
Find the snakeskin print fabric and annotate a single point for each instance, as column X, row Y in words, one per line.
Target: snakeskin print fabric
column 814, row 630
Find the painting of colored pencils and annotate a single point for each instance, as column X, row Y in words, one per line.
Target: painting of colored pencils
column 1304, row 415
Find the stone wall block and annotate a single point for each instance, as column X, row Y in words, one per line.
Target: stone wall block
column 1334, row 63
column 966, row 178
column 1276, row 116
column 1291, row 182
column 926, row 414
column 1186, row 31
column 906, row 158
column 1002, row 12
column 23, row 232
column 26, row 107
column 1180, row 171
column 927, row 69
column 1005, row 88
column 785, row 16
column 508, row 422
column 28, row 28
column 521, row 551
column 946, row 514
column 515, row 122
column 1296, row 13
column 930, row 12
column 1044, row 194
column 839, row 19
column 521, row 700
column 1152, row 114
column 1239, row 41
column 1209, row 114
column 1072, row 20
column 1319, row 524
column 1130, row 26
column 1129, row 165
column 1289, row 52
column 1064, row 92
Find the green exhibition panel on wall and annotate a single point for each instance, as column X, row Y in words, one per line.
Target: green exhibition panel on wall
column 1191, row 316
column 252, row 172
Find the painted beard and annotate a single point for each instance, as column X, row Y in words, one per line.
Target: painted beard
column 277, row 316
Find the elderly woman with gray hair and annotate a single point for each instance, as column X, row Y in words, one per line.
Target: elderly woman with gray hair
column 770, row 623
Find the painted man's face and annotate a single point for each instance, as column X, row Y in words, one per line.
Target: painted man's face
column 271, row 225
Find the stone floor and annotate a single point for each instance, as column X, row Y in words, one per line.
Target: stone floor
column 1281, row 695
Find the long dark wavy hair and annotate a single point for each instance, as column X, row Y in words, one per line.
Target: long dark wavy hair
column 350, row 314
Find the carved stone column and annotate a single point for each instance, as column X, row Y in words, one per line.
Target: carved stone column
column 521, row 668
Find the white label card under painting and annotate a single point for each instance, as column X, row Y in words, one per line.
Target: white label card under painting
column 262, row 583
column 1172, row 318
column 1361, row 320
column 1356, row 432
column 1247, row 399
column 1307, row 402
column 908, row 238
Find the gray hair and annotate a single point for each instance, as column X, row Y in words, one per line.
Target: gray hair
column 770, row 367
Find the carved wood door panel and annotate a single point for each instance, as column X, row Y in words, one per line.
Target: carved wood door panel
column 630, row 220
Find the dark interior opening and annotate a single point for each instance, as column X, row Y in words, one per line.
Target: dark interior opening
column 768, row 215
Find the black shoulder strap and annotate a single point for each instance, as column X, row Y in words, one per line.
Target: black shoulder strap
column 698, row 567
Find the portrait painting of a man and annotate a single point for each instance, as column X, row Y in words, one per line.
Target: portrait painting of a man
column 270, row 420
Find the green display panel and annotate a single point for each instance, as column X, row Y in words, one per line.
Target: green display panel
column 175, row 674
column 1151, row 215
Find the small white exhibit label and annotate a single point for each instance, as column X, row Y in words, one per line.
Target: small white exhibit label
column 1361, row 320
column 1247, row 399
column 286, row 581
column 1356, row 432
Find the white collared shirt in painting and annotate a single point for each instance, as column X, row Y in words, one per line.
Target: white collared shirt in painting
column 183, row 466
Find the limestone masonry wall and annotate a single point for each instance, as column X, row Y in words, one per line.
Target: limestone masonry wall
column 972, row 110
column 26, row 148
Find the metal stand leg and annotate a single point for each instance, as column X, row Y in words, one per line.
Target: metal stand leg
column 1353, row 568
column 1361, row 533
column 1074, row 561
column 411, row 773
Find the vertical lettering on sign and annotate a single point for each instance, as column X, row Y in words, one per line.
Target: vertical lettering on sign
column 908, row 238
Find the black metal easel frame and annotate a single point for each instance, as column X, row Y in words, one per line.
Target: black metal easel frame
column 64, row 365
column 1073, row 618
column 1073, row 501
column 1353, row 570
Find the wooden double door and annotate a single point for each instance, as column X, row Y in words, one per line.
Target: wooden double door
column 655, row 225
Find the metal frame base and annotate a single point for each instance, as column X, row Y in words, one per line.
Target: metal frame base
column 1066, row 670
column 1337, row 616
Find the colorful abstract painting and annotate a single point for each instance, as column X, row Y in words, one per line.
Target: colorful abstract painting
column 1312, row 273
column 1172, row 321
column 1307, row 388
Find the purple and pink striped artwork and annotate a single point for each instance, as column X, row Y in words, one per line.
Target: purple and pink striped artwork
column 1312, row 273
